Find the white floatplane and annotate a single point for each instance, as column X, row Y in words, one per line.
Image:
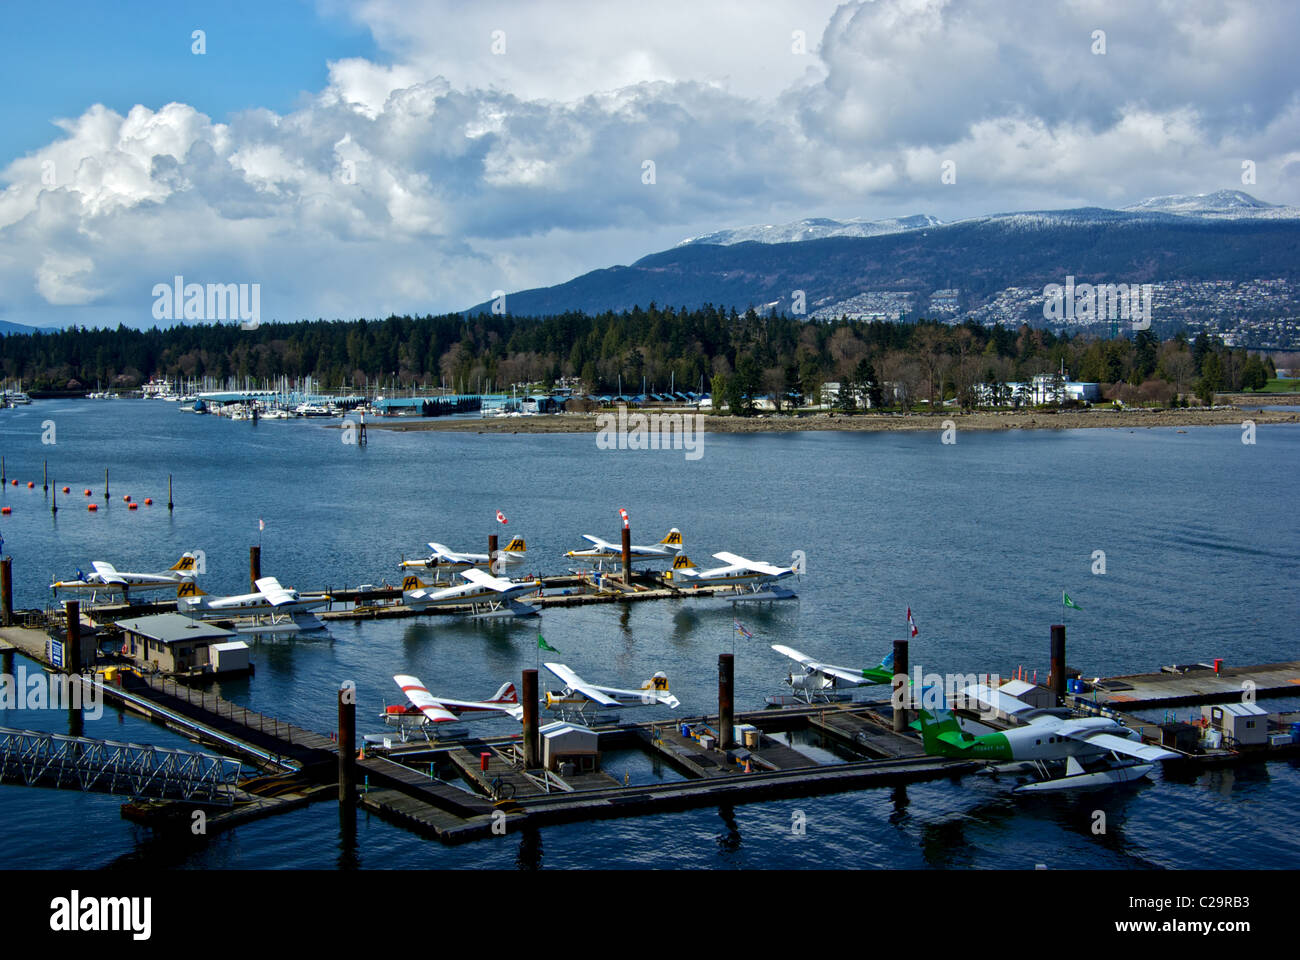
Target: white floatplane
column 272, row 609
column 108, row 579
column 602, row 550
column 752, row 579
column 486, row 595
column 443, row 558
column 579, row 696
column 819, row 681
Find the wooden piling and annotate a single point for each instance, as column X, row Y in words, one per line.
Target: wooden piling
column 72, row 644
column 170, row 505
column 627, row 554
column 492, row 555
column 532, row 744
column 254, row 566
column 901, row 698
column 726, row 698
column 6, row 591
column 1056, row 680
column 106, row 483
column 347, row 743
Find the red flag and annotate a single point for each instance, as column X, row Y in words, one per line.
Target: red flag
column 910, row 622
column 623, row 513
column 501, row 517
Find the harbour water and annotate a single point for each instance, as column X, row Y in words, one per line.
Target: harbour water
column 979, row 538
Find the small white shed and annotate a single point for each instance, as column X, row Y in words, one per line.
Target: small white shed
column 1244, row 723
column 569, row 742
column 228, row 657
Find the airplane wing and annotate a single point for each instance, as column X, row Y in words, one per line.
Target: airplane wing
column 499, row 584
column 417, row 693
column 757, row 566
column 645, row 694
column 602, row 544
column 847, row 674
column 1110, row 741
column 275, row 594
column 446, row 553
column 579, row 685
column 107, row 572
column 997, row 700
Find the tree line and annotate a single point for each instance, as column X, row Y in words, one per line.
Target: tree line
column 739, row 357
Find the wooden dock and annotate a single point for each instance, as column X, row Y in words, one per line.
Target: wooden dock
column 1198, row 685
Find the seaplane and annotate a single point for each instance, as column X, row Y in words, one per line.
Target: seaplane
column 427, row 712
column 579, row 696
column 602, row 550
column 443, row 558
column 819, row 681
column 273, row 608
column 108, row 579
column 486, row 595
column 1058, row 750
column 752, row 579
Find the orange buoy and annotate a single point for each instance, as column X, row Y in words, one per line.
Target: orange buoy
column 6, row 510
column 93, row 507
column 15, row 483
column 30, row 484
column 66, row 490
column 126, row 499
column 148, row 501
column 132, row 506
column 87, row 493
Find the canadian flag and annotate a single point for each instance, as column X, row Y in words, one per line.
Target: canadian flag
column 261, row 524
column 501, row 517
column 910, row 622
column 623, row 513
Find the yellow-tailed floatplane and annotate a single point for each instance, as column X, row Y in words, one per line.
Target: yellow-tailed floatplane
column 108, row 579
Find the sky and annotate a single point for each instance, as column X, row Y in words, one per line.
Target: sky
column 417, row 156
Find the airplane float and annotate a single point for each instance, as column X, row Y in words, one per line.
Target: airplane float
column 1094, row 751
column 579, row 696
column 427, row 711
column 443, row 558
column 752, row 579
column 486, row 595
column 602, row 550
column 108, row 579
column 820, row 680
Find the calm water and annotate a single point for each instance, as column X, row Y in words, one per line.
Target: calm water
column 1199, row 533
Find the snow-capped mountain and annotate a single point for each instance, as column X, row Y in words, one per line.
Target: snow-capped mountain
column 816, row 228
column 1222, row 204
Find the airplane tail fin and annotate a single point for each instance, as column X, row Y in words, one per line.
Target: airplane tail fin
column 412, row 583
column 506, row 694
column 682, row 562
column 185, row 564
column 941, row 733
column 673, row 539
column 188, row 588
column 658, row 683
column 888, row 662
column 517, row 545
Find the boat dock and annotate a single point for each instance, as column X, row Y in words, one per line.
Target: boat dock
column 1198, row 684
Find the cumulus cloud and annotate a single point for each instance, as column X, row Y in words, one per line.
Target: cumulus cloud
column 425, row 183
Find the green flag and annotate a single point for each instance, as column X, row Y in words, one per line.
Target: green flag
column 543, row 645
column 1067, row 602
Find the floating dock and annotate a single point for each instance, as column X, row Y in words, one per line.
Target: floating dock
column 1197, row 684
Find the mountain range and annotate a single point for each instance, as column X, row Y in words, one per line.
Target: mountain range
column 902, row 265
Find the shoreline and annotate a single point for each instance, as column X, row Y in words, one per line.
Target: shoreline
column 871, row 423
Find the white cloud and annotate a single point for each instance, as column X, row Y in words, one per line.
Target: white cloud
column 424, row 184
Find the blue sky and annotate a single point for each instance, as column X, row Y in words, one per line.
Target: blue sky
column 417, row 156
column 65, row 56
